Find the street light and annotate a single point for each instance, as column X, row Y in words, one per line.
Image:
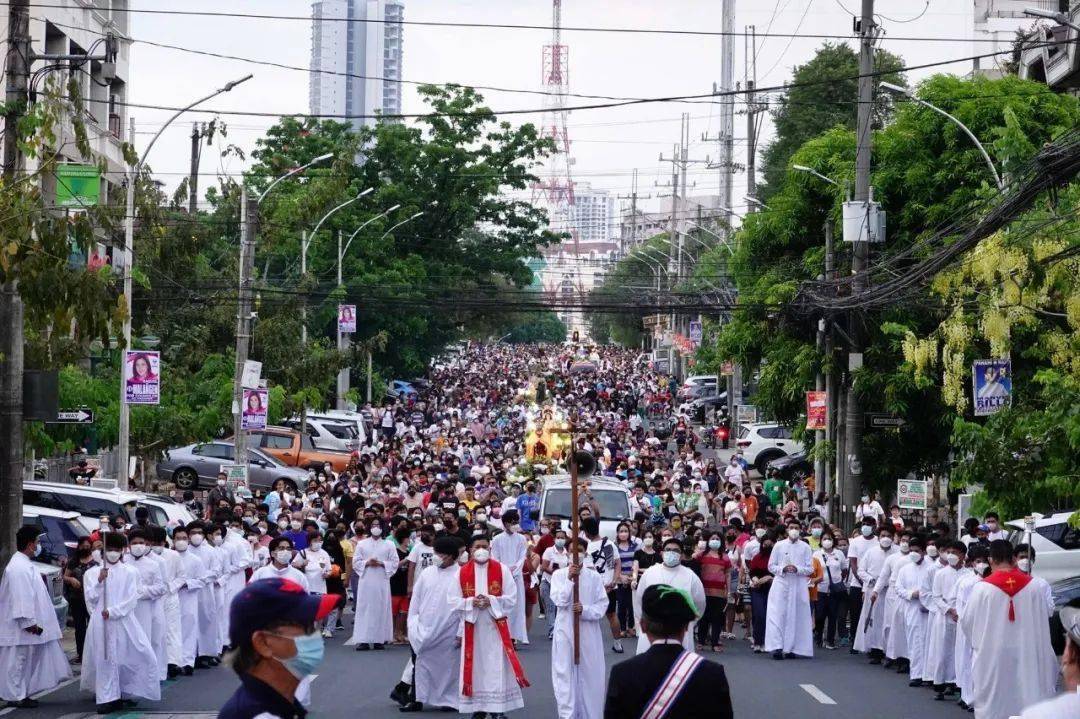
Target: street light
column 756, row 201
column 407, row 219
column 294, row 171
column 815, row 173
column 123, row 447
column 1058, row 17
column 345, row 251
column 986, row 156
column 724, row 242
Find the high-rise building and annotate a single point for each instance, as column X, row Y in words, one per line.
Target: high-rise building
column 356, row 58
column 593, row 213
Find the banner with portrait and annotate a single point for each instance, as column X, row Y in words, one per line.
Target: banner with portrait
column 991, row 385
column 346, row 318
column 255, row 405
column 142, row 377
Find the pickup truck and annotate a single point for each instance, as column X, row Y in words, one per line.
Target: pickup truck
column 296, row 450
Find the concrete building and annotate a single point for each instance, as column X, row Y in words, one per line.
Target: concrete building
column 999, row 21
column 594, row 213
column 1056, row 58
column 356, row 58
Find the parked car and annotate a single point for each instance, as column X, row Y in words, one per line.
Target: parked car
column 400, row 389
column 611, row 494
column 697, row 386
column 198, row 464
column 53, row 576
column 60, row 529
column 291, row 448
column 329, row 434
column 792, row 466
column 353, row 418
column 1063, row 592
column 166, row 511
column 697, row 407
column 762, row 442
column 91, row 502
column 1056, row 543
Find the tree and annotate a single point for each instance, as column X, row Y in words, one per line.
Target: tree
column 821, row 96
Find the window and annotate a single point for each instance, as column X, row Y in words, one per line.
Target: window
column 91, row 506
column 217, row 451
column 1060, row 534
column 341, row 431
column 276, row 441
column 783, row 433
column 60, row 535
column 38, row 498
column 614, row 505
column 768, row 432
column 157, row 515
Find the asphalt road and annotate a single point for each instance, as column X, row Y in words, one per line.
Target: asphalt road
column 352, row 684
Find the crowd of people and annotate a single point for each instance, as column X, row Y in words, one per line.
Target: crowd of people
column 433, row 538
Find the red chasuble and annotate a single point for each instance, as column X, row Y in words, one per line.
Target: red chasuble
column 1010, row 582
column 495, row 575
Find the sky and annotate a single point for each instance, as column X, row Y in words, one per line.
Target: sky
column 607, row 144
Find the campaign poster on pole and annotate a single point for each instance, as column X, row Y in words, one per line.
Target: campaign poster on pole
column 991, row 385
column 142, row 377
column 911, row 494
column 815, row 410
column 254, row 416
column 346, row 318
column 695, row 333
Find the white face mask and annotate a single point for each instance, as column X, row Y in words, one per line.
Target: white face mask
column 931, row 551
column 915, row 557
column 482, row 518
column 560, row 543
column 180, row 545
column 316, row 546
column 283, row 556
column 463, row 558
column 671, row 559
column 138, row 550
column 648, row 541
column 295, row 524
column 885, row 542
column 759, row 532
column 952, row 559
column 481, row 556
column 827, row 543
column 904, row 547
column 980, row 568
column 1024, row 565
column 793, row 534
column 866, row 530
column 701, row 545
column 376, row 531
column 158, row 550
column 197, row 539
column 112, row 556
column 218, row 540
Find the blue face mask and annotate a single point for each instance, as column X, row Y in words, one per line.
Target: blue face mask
column 309, row 654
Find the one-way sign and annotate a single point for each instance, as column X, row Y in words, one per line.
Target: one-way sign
column 74, row 416
column 884, row 420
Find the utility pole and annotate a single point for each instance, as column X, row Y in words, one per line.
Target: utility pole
column 830, row 376
column 303, row 300
column 196, row 156
column 11, row 305
column 634, row 196
column 860, row 255
column 342, row 340
column 249, row 209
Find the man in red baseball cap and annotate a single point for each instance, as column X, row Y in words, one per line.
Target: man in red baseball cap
column 277, row 645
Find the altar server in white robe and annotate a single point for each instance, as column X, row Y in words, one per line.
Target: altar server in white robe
column 510, row 550
column 282, row 553
column 912, row 588
column 941, row 636
column 374, row 561
column 210, row 614
column 150, row 611
column 979, row 561
column 670, row 571
column 190, row 594
column 789, row 628
column 433, row 631
column 240, row 558
column 173, row 569
column 895, row 635
column 579, row 688
column 485, row 593
column 870, row 634
column 1007, row 621
column 216, row 542
column 118, row 660
column 31, row 658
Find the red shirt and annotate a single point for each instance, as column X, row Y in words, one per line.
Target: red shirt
column 545, row 541
column 714, row 574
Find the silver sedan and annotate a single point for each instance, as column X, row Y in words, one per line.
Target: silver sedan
column 199, row 464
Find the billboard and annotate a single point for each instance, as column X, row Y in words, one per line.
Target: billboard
column 77, row 186
column 254, row 415
column 911, row 494
column 991, row 382
column 142, row 377
column 346, row 318
column 815, row 410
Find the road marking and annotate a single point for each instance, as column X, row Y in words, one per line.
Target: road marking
column 821, row 696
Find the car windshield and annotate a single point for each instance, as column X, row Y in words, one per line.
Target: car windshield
column 613, row 504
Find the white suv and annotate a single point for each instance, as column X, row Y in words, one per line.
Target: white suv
column 1056, row 542
column 761, row 443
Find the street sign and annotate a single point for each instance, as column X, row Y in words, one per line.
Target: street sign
column 884, row 420
column 74, row 416
column 234, row 473
column 911, row 494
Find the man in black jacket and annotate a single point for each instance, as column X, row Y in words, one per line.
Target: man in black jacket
column 666, row 681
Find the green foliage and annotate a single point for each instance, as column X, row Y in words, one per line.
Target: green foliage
column 546, row 327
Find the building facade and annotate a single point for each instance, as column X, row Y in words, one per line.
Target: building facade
column 356, row 59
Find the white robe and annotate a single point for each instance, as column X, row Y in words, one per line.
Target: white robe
column 173, row 569
column 374, row 622
column 579, row 689
column 679, row 577
column 788, row 625
column 894, row 632
column 192, row 595
column 239, row 557
column 495, row 689
column 29, row 663
column 962, row 652
column 118, row 660
column 1012, row 662
column 871, row 565
column 941, row 638
column 210, row 638
column 911, row 588
column 150, row 611
column 433, row 630
column 271, row 571
column 510, row 550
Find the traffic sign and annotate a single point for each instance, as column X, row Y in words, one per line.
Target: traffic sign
column 884, row 420
column 911, row 494
column 74, row 416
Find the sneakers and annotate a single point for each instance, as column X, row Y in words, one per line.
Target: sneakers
column 327, row 634
column 830, row 646
column 617, row 647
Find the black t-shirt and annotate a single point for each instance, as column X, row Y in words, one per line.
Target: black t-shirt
column 399, row 580
column 646, row 559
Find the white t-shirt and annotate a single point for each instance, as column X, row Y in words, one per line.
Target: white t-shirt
column 602, row 556
column 558, row 558
column 422, row 556
column 856, row 548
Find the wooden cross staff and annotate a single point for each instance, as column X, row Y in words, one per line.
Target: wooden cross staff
column 575, row 530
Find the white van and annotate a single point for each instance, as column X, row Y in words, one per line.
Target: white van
column 331, row 428
column 90, row 502
column 1056, row 543
column 611, row 494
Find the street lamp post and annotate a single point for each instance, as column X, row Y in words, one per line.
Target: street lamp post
column 756, row 202
column 123, row 448
column 342, row 341
column 407, row 219
column 1058, row 17
column 986, row 156
column 305, row 242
